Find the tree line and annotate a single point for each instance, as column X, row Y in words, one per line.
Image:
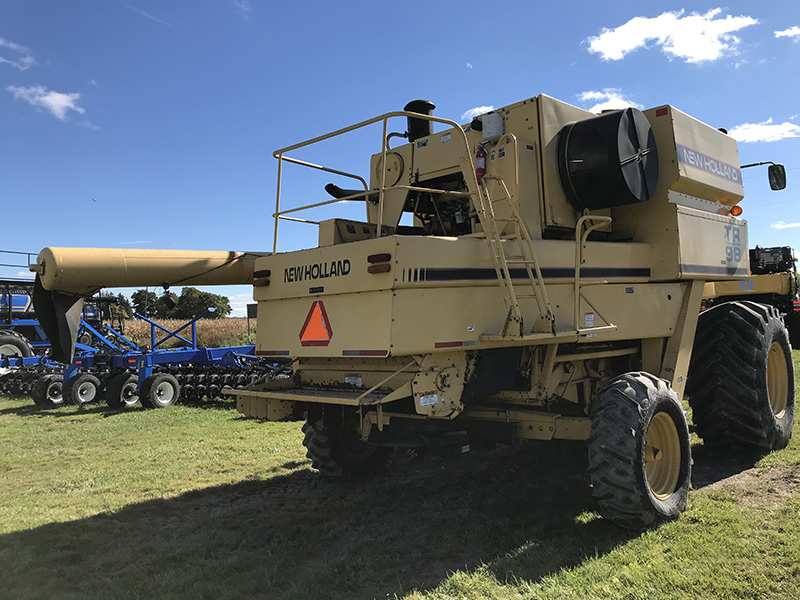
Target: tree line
column 188, row 305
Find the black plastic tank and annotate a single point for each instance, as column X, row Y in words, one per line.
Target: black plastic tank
column 609, row 160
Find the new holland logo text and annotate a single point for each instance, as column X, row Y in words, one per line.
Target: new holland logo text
column 335, row 268
column 710, row 165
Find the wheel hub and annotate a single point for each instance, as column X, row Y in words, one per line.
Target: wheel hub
column 777, row 378
column 165, row 392
column 662, row 456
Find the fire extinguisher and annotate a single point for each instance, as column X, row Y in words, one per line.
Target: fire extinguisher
column 480, row 162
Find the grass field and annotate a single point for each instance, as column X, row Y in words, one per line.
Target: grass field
column 198, row 502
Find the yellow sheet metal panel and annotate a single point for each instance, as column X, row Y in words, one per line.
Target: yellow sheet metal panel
column 696, row 159
column 712, row 246
column 335, row 325
column 553, row 115
column 85, row 270
column 772, row 283
column 329, row 270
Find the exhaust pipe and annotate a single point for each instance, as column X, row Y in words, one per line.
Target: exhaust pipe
column 419, row 128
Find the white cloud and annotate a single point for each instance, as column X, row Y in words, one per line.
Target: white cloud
column 764, row 132
column 693, row 38
column 474, row 112
column 25, row 275
column 56, row 103
column 607, row 99
column 239, row 304
column 469, row 65
column 22, row 62
column 784, row 225
column 147, row 15
column 245, row 10
column 792, row 32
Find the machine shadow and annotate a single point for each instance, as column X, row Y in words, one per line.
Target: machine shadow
column 715, row 464
column 521, row 513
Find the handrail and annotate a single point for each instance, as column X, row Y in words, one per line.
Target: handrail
column 280, row 155
column 580, row 242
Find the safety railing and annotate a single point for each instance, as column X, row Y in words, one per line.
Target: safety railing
column 467, row 167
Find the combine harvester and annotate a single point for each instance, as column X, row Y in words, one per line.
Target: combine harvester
column 536, row 274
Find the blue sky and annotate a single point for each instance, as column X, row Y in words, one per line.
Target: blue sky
column 150, row 124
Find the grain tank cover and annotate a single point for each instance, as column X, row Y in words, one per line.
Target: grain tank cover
column 606, row 161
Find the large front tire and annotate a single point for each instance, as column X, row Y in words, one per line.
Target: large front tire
column 639, row 451
column 741, row 378
column 334, row 445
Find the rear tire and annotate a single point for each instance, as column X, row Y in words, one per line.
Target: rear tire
column 640, row 460
column 334, row 445
column 121, row 391
column 14, row 345
column 741, row 378
column 159, row 391
column 47, row 390
column 81, row 389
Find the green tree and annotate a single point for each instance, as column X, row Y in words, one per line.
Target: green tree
column 146, row 303
column 193, row 302
column 125, row 306
column 115, row 306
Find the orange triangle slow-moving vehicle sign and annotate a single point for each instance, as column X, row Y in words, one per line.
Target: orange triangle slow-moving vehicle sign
column 317, row 329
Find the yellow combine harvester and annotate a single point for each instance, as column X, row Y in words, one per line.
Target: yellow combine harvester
column 536, row 274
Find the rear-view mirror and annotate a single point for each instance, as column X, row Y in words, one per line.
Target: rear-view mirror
column 777, row 177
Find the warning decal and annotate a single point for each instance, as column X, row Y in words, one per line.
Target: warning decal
column 316, row 331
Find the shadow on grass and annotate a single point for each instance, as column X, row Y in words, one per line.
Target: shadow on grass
column 102, row 408
column 299, row 536
column 715, row 464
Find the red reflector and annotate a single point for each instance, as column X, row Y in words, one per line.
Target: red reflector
column 381, row 268
column 379, row 258
column 317, row 329
column 260, row 282
column 660, row 112
column 262, row 273
column 736, row 211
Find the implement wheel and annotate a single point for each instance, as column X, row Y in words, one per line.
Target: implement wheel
column 639, row 451
column 741, row 378
column 121, row 391
column 46, row 390
column 81, row 389
column 14, row 345
column 333, row 443
column 159, row 391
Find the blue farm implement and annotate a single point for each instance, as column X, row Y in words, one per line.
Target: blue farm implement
column 123, row 373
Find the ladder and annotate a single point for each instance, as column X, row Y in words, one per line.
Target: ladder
column 524, row 257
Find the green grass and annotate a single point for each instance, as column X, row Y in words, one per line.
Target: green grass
column 197, row 502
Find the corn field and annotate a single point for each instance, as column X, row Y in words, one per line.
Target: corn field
column 211, row 333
